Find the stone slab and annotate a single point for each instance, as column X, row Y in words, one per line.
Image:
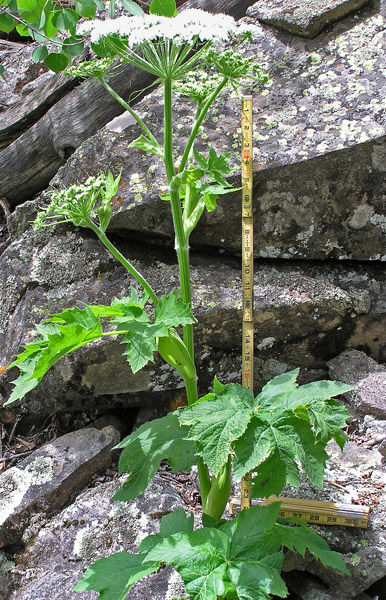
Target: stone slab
column 367, row 377
column 319, row 151
column 93, row 527
column 46, row 480
column 303, row 17
column 301, row 319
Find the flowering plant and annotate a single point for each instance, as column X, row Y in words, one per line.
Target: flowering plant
column 284, row 428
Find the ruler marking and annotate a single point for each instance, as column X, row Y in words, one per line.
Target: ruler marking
column 247, row 267
column 313, row 511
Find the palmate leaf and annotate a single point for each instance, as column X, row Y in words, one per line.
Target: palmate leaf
column 241, row 559
column 217, row 422
column 113, row 576
column 146, row 447
column 291, row 426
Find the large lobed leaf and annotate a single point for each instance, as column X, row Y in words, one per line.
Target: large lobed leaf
column 73, row 328
column 144, row 449
column 239, row 560
column 217, row 422
column 54, row 343
column 291, row 426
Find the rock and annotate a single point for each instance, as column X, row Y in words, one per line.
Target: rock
column 46, row 480
column 93, row 527
column 300, row 319
column 357, row 476
column 48, row 120
column 367, row 376
column 302, row 17
column 318, row 196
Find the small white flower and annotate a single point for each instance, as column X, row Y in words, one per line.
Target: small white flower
column 185, row 28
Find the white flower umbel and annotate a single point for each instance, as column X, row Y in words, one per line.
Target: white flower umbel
column 187, row 27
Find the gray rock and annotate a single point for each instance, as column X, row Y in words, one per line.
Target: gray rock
column 92, row 528
column 46, row 480
column 303, row 17
column 355, row 476
column 300, row 319
column 319, row 151
column 367, row 376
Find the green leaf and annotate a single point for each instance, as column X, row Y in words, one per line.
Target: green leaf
column 26, row 4
column 165, row 8
column 7, row 22
column 241, row 559
column 272, row 393
column 55, row 342
column 201, row 559
column 315, row 391
column 145, row 448
column 23, row 30
column 176, row 522
column 85, row 8
column 172, row 311
column 65, row 19
column 301, row 538
column 39, row 54
column 113, row 577
column 56, row 62
column 218, row 422
column 143, row 143
column 49, row 29
column 329, row 418
column 73, row 46
column 141, row 342
column 2, row 72
column 187, row 176
column 252, row 448
column 132, row 7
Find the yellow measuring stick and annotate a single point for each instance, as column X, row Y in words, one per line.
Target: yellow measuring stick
column 313, row 511
column 247, row 265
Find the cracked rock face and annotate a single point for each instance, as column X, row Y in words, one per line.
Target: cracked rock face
column 301, row 319
column 45, row 480
column 319, row 151
column 91, row 528
column 303, row 17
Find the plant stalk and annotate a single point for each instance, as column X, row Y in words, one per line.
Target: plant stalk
column 115, row 252
column 132, row 112
column 182, row 249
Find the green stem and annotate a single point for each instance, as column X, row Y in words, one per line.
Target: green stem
column 132, row 112
column 181, row 242
column 197, row 123
column 182, row 249
column 106, row 242
column 218, row 496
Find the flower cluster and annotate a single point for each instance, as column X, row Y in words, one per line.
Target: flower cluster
column 93, row 68
column 79, row 203
column 187, row 27
column 197, row 85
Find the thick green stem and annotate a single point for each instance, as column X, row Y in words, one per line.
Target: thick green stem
column 132, row 112
column 218, row 496
column 106, row 242
column 181, row 242
column 182, row 249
